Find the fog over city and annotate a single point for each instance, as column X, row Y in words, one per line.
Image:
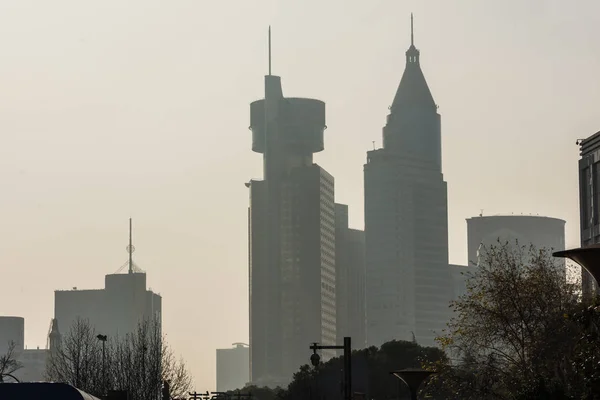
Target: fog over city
column 141, row 109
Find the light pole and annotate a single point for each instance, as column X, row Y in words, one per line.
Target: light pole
column 347, row 347
column 413, row 378
column 103, row 339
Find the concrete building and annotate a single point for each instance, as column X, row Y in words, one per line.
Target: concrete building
column 12, row 330
column 351, row 316
column 460, row 275
column 589, row 202
column 408, row 283
column 291, row 237
column 233, row 367
column 115, row 310
column 541, row 232
column 32, row 361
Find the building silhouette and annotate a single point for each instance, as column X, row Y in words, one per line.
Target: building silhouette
column 32, row 361
column 589, row 202
column 350, row 280
column 522, row 230
column 408, row 283
column 291, row 237
column 117, row 309
column 233, row 367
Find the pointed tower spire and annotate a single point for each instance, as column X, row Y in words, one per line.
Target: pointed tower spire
column 413, row 90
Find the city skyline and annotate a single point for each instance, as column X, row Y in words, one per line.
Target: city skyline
column 67, row 207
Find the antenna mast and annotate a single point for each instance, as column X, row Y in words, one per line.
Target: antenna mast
column 130, row 248
column 269, row 49
column 412, row 36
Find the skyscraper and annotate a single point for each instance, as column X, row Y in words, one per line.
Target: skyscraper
column 350, row 280
column 291, row 237
column 589, row 202
column 406, row 219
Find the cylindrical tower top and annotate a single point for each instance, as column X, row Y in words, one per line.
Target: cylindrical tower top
column 301, row 125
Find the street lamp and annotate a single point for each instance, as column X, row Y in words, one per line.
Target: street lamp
column 587, row 257
column 103, row 339
column 413, row 378
column 315, row 359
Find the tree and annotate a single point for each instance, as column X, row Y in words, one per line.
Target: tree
column 8, row 363
column 371, row 369
column 139, row 363
column 511, row 336
column 78, row 360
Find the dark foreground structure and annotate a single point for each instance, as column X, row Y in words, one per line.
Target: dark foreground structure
column 42, row 390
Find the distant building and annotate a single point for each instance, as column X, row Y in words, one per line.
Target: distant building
column 32, row 361
column 408, row 284
column 115, row 310
column 460, row 275
column 351, row 316
column 526, row 230
column 12, row 330
column 233, row 367
column 291, row 237
column 589, row 202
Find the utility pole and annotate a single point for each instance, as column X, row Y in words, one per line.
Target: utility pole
column 347, row 347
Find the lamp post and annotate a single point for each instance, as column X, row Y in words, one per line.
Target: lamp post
column 347, row 347
column 103, row 339
column 413, row 378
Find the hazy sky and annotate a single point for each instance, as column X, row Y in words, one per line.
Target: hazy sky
column 111, row 109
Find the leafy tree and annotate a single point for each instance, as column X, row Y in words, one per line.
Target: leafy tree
column 8, row 363
column 511, row 336
column 371, row 369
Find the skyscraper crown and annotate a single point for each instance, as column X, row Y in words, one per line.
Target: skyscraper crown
column 413, row 90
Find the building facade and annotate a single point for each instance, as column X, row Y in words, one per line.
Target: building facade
column 291, row 237
column 350, row 277
column 589, row 202
column 12, row 333
column 115, row 310
column 408, row 283
column 522, row 230
column 233, row 367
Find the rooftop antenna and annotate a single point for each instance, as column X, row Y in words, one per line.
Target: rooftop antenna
column 481, row 213
column 269, row 49
column 373, row 145
column 412, row 36
column 130, row 248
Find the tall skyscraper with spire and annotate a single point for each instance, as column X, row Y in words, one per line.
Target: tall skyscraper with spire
column 291, row 236
column 406, row 218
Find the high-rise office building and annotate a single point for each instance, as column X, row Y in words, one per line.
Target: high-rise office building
column 349, row 280
column 233, row 367
column 408, row 283
column 291, row 237
column 589, row 202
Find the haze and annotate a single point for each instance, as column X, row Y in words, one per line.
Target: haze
column 112, row 109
